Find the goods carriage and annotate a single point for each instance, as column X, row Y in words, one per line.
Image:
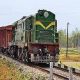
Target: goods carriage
column 37, row 38
column 5, row 36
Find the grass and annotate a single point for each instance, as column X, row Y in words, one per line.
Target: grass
column 8, row 71
column 72, row 59
column 70, row 51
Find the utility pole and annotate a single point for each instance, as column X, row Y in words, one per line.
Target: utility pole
column 67, row 39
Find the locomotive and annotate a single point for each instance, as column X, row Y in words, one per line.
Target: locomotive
column 35, row 38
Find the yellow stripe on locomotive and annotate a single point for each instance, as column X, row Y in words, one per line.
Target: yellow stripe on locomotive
column 45, row 27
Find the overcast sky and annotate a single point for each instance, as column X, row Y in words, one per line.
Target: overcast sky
column 65, row 10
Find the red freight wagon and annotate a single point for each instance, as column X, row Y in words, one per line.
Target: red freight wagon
column 5, row 35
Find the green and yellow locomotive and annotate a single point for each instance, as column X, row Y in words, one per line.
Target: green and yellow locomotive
column 37, row 38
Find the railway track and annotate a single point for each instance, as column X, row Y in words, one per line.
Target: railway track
column 62, row 69
column 62, row 73
column 48, row 71
column 65, row 74
column 57, row 72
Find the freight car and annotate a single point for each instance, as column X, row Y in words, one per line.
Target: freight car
column 37, row 38
column 5, row 36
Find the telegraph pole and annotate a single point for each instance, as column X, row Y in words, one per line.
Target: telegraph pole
column 67, row 39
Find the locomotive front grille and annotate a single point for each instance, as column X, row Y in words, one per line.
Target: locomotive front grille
column 45, row 59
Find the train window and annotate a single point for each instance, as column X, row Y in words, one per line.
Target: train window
column 23, row 25
column 40, row 12
column 29, row 26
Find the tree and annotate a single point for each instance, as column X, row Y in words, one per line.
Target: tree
column 75, row 37
column 62, row 38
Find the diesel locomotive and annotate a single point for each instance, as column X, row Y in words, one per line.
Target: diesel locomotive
column 35, row 38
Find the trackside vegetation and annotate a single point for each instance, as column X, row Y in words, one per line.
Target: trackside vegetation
column 8, row 71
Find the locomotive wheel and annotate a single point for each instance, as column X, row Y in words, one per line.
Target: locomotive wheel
column 12, row 55
column 28, row 57
column 23, row 58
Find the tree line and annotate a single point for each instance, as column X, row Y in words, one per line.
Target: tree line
column 73, row 38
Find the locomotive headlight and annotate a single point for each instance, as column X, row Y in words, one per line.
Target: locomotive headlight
column 46, row 14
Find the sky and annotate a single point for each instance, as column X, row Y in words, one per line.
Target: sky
column 65, row 11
